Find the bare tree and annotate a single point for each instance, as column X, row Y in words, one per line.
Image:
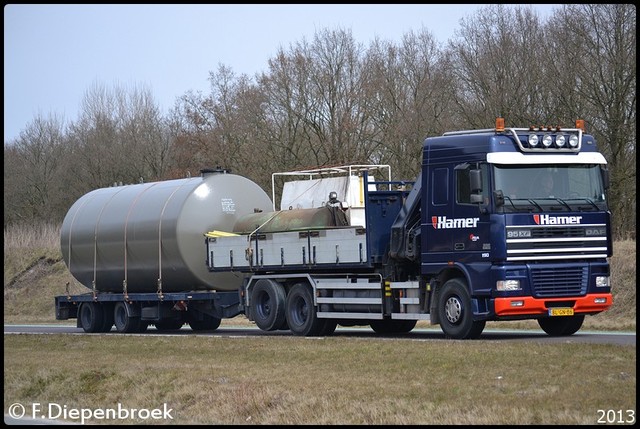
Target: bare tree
column 495, row 57
column 33, row 164
column 409, row 97
column 594, row 76
column 120, row 136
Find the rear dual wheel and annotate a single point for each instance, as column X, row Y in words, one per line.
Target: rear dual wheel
column 95, row 317
column 268, row 300
column 124, row 320
column 302, row 316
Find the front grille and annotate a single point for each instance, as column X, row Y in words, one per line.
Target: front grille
column 551, row 232
column 558, row 282
column 543, row 243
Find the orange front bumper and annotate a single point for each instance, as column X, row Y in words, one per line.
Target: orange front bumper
column 526, row 305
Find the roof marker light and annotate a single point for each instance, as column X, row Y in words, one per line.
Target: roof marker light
column 499, row 125
column 580, row 124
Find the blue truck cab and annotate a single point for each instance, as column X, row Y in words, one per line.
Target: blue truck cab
column 514, row 224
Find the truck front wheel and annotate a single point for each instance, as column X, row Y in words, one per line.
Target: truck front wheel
column 455, row 312
column 561, row 326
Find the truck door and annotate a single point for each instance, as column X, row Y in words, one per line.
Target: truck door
column 470, row 224
column 437, row 240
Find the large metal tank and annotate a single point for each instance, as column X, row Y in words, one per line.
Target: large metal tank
column 151, row 235
column 291, row 220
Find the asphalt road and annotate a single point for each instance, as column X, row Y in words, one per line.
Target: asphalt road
column 431, row 334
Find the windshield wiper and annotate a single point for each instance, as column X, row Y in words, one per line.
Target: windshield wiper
column 589, row 200
column 519, row 208
column 563, row 202
column 535, row 204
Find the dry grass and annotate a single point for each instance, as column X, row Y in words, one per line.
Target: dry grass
column 294, row 380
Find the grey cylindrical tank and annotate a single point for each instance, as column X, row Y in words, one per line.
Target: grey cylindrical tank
column 152, row 234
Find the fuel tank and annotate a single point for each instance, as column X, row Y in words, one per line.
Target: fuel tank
column 150, row 236
column 291, row 220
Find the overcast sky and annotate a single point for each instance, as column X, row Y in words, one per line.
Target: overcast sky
column 54, row 54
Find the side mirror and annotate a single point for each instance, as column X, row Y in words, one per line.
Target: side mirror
column 498, row 197
column 605, row 177
column 475, row 180
column 477, row 198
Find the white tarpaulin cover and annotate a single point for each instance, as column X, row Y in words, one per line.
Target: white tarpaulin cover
column 312, row 193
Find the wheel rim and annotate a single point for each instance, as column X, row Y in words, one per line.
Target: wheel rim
column 301, row 311
column 120, row 316
column 85, row 315
column 264, row 306
column 453, row 309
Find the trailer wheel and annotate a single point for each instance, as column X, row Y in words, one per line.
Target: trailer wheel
column 393, row 326
column 208, row 323
column 455, row 312
column 301, row 314
column 268, row 304
column 127, row 324
column 168, row 324
column 91, row 315
column 561, row 326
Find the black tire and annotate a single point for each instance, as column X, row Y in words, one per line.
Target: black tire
column 301, row 313
column 268, row 301
column 393, row 326
column 562, row 325
column 207, row 323
column 455, row 312
column 169, row 324
column 91, row 316
column 328, row 328
column 285, row 324
column 124, row 323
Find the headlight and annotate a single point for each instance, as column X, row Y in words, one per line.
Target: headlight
column 547, row 140
column 560, row 141
column 505, row 285
column 603, row 281
column 573, row 140
column 533, row 140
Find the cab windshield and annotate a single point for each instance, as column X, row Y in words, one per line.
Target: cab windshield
column 567, row 187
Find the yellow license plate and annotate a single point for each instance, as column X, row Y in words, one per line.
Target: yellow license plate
column 561, row 312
